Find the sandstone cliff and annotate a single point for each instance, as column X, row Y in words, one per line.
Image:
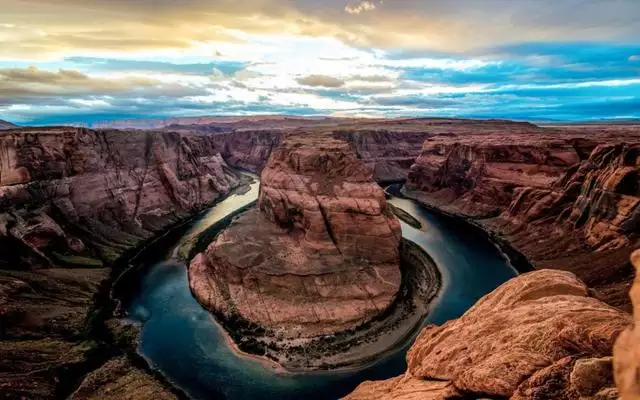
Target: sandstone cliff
column 538, row 336
column 390, row 153
column 319, row 255
column 566, row 199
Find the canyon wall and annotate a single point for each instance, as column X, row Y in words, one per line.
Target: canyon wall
column 69, row 191
column 390, row 153
column 319, row 254
column 565, row 199
column 76, row 200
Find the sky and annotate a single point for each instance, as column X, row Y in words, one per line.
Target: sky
column 90, row 61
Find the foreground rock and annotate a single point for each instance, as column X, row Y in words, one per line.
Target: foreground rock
column 627, row 349
column 318, row 256
column 567, row 199
column 538, row 336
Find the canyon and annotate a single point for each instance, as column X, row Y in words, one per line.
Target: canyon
column 320, row 251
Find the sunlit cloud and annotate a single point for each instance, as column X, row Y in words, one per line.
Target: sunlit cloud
column 360, row 7
column 94, row 60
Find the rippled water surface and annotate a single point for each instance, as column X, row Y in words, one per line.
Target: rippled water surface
column 180, row 339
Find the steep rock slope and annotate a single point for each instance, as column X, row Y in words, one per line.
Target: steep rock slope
column 319, row 254
column 390, row 153
column 250, row 150
column 627, row 349
column 538, row 336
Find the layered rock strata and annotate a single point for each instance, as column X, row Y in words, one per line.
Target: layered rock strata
column 319, row 254
column 390, row 153
column 68, row 192
column 538, row 336
column 564, row 201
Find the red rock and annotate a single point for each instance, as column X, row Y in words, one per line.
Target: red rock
column 566, row 198
column 116, row 188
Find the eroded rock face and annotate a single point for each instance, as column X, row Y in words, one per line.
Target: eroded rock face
column 390, row 153
column 319, row 255
column 538, row 336
column 64, row 188
column 627, row 350
column 566, row 199
column 76, row 199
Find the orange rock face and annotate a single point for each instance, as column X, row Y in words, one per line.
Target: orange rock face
column 538, row 336
column 627, row 349
column 319, row 255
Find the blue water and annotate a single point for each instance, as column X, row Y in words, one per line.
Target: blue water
column 180, row 339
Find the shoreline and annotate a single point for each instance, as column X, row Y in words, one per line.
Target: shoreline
column 516, row 260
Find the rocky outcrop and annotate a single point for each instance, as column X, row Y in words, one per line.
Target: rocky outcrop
column 538, row 336
column 250, row 150
column 627, row 349
column 67, row 192
column 320, row 253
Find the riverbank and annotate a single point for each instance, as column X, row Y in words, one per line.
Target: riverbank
column 608, row 272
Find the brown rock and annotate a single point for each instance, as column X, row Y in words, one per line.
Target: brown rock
column 535, row 337
column 627, row 348
column 566, row 198
column 113, row 188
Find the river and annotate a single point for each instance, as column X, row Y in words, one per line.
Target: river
column 180, row 339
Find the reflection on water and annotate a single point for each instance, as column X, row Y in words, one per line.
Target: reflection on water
column 180, row 339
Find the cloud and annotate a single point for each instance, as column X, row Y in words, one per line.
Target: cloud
column 634, row 58
column 320, row 80
column 358, row 8
column 34, row 82
column 70, row 27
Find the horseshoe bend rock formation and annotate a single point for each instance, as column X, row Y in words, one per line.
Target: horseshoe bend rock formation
column 319, row 254
column 538, row 336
